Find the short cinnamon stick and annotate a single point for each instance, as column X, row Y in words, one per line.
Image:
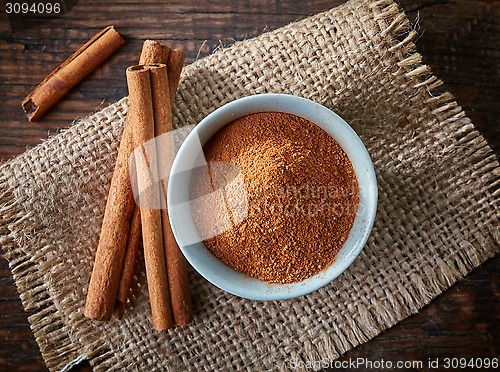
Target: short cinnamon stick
column 72, row 71
column 146, row 105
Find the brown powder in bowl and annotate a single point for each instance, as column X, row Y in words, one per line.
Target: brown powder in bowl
column 301, row 193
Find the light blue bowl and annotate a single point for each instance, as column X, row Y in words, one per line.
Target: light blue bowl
column 183, row 226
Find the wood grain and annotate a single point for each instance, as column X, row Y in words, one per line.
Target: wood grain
column 459, row 40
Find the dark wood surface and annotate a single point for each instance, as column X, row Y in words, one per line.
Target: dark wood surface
column 459, row 40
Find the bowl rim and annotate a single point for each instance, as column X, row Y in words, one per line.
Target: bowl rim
column 214, row 270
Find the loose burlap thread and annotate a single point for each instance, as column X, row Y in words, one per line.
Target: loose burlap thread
column 437, row 215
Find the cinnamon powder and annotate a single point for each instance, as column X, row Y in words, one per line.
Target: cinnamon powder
column 302, row 196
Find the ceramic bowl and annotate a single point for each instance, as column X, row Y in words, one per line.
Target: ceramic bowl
column 183, row 225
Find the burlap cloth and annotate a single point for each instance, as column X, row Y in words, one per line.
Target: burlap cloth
column 437, row 215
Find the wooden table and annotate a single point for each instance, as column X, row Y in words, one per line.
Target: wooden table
column 459, row 40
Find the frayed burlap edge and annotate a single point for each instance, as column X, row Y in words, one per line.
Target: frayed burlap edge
column 46, row 324
column 60, row 347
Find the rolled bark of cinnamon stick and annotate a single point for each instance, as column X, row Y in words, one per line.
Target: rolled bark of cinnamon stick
column 146, row 105
column 177, row 273
column 110, row 252
column 152, row 52
column 178, row 280
column 70, row 72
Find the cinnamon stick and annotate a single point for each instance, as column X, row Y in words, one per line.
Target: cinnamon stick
column 129, row 263
column 145, row 94
column 110, row 252
column 71, row 72
column 177, row 274
column 176, row 263
column 152, row 52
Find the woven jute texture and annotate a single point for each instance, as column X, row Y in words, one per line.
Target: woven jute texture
column 437, row 216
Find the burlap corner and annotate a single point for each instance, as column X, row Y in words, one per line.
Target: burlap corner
column 437, row 217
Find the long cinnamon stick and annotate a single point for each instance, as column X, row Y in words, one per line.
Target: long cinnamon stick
column 178, row 279
column 110, row 252
column 71, row 71
column 152, row 52
column 145, row 100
